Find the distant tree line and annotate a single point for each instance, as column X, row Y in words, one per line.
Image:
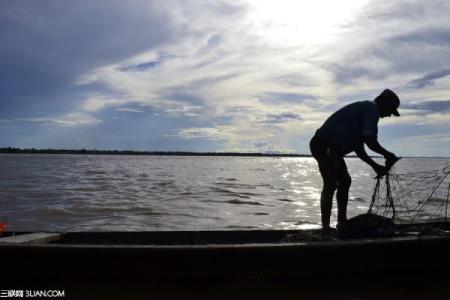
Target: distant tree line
column 132, row 152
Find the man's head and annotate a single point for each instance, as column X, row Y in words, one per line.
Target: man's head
column 388, row 103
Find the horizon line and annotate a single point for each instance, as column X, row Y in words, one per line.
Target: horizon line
column 14, row 150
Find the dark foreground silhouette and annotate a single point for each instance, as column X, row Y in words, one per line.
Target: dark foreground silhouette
column 348, row 130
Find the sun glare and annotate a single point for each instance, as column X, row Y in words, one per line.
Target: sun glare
column 302, row 22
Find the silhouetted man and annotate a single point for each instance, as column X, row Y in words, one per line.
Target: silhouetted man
column 345, row 131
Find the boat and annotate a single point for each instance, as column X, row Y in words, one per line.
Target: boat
column 217, row 260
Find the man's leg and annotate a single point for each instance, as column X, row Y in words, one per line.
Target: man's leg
column 344, row 181
column 328, row 170
column 329, row 176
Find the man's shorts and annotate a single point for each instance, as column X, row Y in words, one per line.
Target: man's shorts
column 331, row 164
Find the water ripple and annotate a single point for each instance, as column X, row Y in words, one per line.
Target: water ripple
column 81, row 192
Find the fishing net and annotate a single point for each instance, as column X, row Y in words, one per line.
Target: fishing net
column 410, row 203
column 403, row 204
column 412, row 197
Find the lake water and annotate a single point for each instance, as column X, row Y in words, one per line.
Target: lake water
column 134, row 193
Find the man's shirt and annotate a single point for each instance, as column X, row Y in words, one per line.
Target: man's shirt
column 344, row 130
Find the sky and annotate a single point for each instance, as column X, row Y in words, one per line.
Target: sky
column 247, row 76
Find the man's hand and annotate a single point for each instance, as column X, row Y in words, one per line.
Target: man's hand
column 391, row 159
column 389, row 156
column 380, row 170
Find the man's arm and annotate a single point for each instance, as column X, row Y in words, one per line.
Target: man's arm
column 372, row 142
column 370, row 131
column 362, row 154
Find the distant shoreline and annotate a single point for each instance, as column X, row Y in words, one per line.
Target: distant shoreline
column 144, row 153
column 11, row 150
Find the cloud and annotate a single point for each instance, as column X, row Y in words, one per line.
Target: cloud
column 424, row 36
column 46, row 45
column 200, row 78
column 429, row 106
column 132, row 110
column 206, row 133
column 282, row 118
column 98, row 103
column 274, row 98
column 221, row 74
column 70, row 119
column 261, row 144
column 435, row 137
column 385, row 44
column 428, row 79
column 141, row 67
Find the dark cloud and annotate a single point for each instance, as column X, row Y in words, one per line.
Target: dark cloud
column 430, row 36
column 212, row 42
column 281, row 118
column 47, row 44
column 396, row 40
column 377, row 12
column 240, row 110
column 141, row 67
column 428, row 79
column 261, row 144
column 431, row 106
column 402, row 53
column 184, row 96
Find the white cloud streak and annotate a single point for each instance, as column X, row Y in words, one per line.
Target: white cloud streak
column 73, row 119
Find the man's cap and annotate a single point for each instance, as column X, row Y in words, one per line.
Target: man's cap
column 392, row 97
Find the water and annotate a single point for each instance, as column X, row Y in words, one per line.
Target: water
column 133, row 193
